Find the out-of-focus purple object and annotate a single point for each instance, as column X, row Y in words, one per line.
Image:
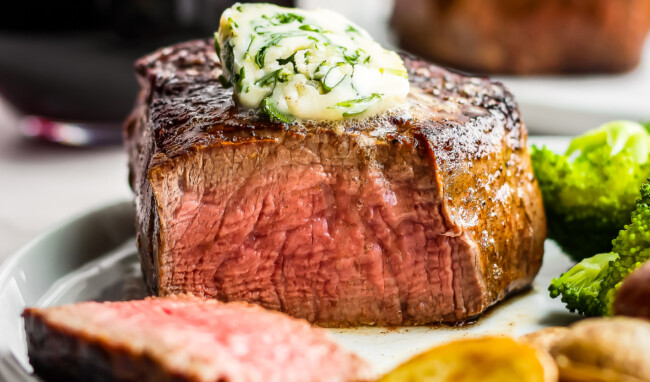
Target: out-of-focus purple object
column 70, row 133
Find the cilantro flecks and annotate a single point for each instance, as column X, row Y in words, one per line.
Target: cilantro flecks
column 357, row 101
column 286, row 18
column 268, row 78
column 274, row 114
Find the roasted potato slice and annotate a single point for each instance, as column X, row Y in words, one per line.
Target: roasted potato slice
column 546, row 338
column 605, row 349
column 498, row 359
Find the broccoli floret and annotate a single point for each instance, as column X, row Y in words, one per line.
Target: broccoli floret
column 590, row 286
column 590, row 191
column 633, row 247
column 580, row 286
column 646, row 125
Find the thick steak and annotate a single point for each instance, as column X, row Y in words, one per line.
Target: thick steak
column 182, row 339
column 429, row 215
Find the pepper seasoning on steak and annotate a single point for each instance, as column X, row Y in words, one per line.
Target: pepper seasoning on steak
column 427, row 215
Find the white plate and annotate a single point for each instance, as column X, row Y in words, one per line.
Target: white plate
column 93, row 257
column 569, row 105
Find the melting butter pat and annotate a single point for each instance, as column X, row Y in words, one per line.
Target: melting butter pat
column 314, row 65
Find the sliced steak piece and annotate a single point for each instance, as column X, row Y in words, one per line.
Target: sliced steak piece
column 428, row 215
column 181, row 339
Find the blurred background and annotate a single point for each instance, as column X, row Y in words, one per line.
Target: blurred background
column 66, row 67
column 66, row 77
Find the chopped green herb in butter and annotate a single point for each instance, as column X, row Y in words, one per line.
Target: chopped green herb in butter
column 317, row 65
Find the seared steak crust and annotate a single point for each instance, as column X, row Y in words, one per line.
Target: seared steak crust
column 429, row 214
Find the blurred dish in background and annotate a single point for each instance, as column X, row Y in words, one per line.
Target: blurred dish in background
column 570, row 105
column 525, row 36
column 67, row 67
column 563, row 58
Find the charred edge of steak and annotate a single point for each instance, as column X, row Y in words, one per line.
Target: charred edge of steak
column 188, row 109
column 57, row 355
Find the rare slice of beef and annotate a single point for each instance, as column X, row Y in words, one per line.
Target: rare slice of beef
column 430, row 214
column 182, row 338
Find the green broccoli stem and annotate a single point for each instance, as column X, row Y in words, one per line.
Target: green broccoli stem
column 590, row 286
column 633, row 247
column 580, row 287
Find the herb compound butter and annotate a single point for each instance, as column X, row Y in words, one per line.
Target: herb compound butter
column 313, row 65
